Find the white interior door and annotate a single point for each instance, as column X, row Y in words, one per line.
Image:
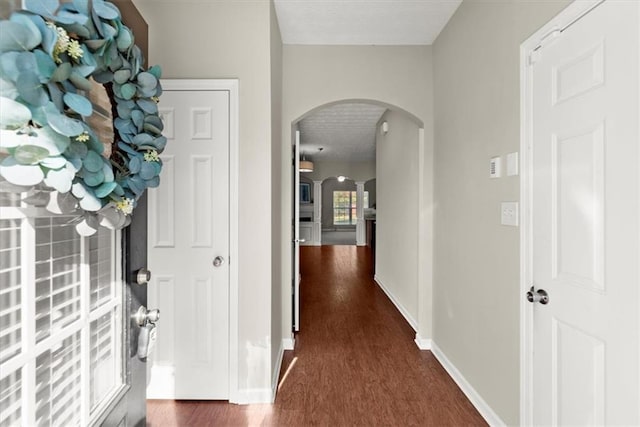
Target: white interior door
column 296, row 233
column 189, row 248
column 584, row 229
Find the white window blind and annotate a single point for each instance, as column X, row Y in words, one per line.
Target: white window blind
column 61, row 357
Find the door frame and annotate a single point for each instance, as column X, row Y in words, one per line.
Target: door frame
column 545, row 35
column 232, row 86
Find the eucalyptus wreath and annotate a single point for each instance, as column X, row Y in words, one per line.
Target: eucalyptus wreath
column 51, row 56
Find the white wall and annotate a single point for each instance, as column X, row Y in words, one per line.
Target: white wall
column 313, row 76
column 397, row 212
column 476, row 280
column 357, row 171
column 231, row 39
column 276, row 197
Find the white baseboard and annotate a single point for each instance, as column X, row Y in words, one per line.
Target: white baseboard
column 405, row 313
column 474, row 397
column 249, row 396
column 276, row 372
column 288, row 343
column 162, row 382
column 423, row 343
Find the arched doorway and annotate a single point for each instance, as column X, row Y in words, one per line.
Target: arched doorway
column 391, row 125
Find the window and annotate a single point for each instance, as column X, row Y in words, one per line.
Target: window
column 344, row 207
column 61, row 303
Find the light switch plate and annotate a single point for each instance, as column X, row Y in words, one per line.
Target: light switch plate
column 494, row 167
column 512, row 164
column 509, row 213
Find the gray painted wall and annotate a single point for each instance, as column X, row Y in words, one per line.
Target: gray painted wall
column 233, row 40
column 477, row 115
column 397, row 211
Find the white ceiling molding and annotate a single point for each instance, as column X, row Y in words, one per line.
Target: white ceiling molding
column 346, row 132
column 363, row 22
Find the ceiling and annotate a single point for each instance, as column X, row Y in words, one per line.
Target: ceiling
column 346, row 132
column 363, row 22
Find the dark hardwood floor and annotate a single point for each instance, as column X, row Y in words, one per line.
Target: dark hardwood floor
column 355, row 362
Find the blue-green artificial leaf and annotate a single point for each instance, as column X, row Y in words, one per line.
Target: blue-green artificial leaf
column 121, row 123
column 155, row 121
column 9, row 65
column 127, row 149
column 82, row 6
column 56, row 162
column 105, row 10
column 76, row 150
column 17, row 36
column 124, row 112
column 85, row 229
column 26, row 61
column 118, row 190
column 78, row 103
column 147, row 80
column 60, row 179
column 30, row 89
column 135, row 164
column 62, row 73
column 157, row 167
column 12, row 138
column 108, row 32
column 76, row 162
column 46, row 8
column 46, row 66
column 148, row 106
column 13, row 115
column 54, row 142
column 30, row 154
column 19, row 174
column 8, row 89
column 142, row 139
column 147, row 171
column 128, row 91
column 94, row 45
column 93, row 179
column 79, row 81
column 137, row 117
column 108, row 173
column 92, row 162
column 88, row 58
column 104, row 77
column 148, row 127
column 95, row 144
column 90, row 203
column 49, row 35
column 105, row 189
column 56, row 96
column 124, row 39
column 160, row 142
column 156, row 71
column 72, row 18
column 146, row 91
column 121, row 76
column 153, row 182
column 136, row 184
column 79, row 190
column 64, row 125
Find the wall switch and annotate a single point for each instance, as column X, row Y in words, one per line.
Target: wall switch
column 509, row 213
column 512, row 164
column 494, row 167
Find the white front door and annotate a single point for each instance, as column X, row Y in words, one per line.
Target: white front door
column 583, row 230
column 189, row 248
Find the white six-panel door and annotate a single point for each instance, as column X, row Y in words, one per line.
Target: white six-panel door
column 189, row 248
column 583, row 229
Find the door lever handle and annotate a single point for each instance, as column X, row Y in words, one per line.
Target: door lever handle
column 540, row 296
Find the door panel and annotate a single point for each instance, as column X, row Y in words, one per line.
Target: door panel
column 189, row 248
column 585, row 233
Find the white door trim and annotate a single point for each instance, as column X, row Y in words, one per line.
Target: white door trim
column 544, row 35
column 230, row 85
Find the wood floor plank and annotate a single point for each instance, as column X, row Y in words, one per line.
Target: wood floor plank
column 355, row 362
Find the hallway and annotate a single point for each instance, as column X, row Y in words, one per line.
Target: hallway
column 355, row 361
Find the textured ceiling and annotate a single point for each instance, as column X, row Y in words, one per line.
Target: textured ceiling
column 346, row 132
column 363, row 22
